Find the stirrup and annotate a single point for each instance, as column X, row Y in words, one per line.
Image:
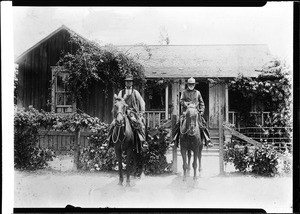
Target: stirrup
column 209, row 144
column 172, row 143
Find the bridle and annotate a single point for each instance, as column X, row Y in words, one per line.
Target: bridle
column 188, row 129
column 119, row 126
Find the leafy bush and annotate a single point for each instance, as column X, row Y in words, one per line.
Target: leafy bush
column 237, row 154
column 262, row 161
column 26, row 126
column 155, row 161
column 99, row 157
column 26, row 154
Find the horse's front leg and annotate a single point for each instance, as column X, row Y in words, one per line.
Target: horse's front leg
column 119, row 157
column 128, row 166
column 196, row 152
column 200, row 157
column 135, row 164
column 189, row 154
column 184, row 165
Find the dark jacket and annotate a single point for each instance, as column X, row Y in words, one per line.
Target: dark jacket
column 192, row 96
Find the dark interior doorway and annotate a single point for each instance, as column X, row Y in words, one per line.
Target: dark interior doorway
column 203, row 87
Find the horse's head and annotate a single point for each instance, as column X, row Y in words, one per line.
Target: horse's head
column 192, row 119
column 119, row 110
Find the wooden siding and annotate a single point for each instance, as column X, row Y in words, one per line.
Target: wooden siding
column 35, row 77
column 216, row 96
column 35, row 73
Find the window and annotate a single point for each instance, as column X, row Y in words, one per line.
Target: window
column 61, row 99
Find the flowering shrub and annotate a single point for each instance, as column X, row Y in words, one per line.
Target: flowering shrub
column 99, row 156
column 155, row 161
column 262, row 161
column 26, row 154
column 272, row 87
column 237, row 154
column 26, row 126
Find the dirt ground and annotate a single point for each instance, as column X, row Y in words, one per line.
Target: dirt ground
column 59, row 186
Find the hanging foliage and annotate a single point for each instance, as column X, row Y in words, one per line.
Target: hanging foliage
column 94, row 63
column 272, row 87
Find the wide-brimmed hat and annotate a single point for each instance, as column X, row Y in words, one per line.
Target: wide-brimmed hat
column 191, row 81
column 129, row 77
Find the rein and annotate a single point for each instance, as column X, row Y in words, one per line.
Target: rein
column 119, row 128
column 183, row 133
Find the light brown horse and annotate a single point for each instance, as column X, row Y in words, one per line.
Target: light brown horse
column 190, row 140
column 123, row 138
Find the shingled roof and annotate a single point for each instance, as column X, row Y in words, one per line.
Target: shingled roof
column 182, row 61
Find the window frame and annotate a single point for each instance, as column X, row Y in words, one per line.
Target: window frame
column 54, row 93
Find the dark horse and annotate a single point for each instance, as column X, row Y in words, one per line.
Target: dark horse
column 190, row 140
column 123, row 138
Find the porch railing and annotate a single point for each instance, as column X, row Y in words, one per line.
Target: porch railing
column 260, row 117
column 155, row 118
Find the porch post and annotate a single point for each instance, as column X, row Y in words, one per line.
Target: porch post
column 167, row 102
column 226, row 104
column 175, row 114
column 221, row 132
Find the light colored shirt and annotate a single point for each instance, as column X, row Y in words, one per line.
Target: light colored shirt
column 138, row 98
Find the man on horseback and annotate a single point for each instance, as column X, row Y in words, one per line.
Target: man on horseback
column 135, row 110
column 188, row 96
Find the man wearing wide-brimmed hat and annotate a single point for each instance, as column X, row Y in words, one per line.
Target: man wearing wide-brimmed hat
column 136, row 109
column 188, row 96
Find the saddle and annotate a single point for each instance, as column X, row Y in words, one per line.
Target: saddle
column 134, row 119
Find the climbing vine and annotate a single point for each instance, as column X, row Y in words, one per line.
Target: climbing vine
column 94, row 63
column 272, row 87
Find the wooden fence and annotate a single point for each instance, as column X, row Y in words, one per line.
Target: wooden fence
column 279, row 137
column 60, row 140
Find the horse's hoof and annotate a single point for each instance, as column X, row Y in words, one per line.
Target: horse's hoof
column 127, row 184
column 195, row 178
column 184, row 179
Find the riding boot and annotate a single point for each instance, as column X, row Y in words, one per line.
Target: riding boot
column 205, row 133
column 142, row 139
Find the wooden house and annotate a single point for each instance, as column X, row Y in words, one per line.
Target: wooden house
column 173, row 62
column 35, row 74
